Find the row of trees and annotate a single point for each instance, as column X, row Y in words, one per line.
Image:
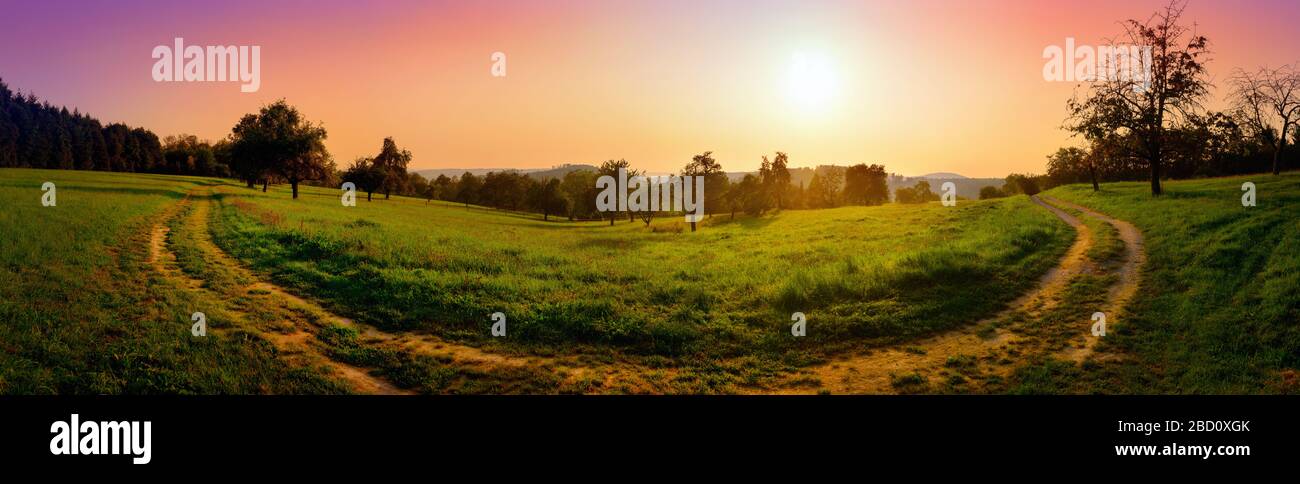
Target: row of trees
column 574, row 194
column 1158, row 127
column 35, row 134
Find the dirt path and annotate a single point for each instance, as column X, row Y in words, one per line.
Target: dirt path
column 989, row 348
column 1123, row 290
column 292, row 341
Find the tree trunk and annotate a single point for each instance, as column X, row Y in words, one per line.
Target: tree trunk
column 1155, row 178
column 386, row 195
column 370, row 196
column 1277, row 154
column 251, row 182
column 294, row 184
column 1092, row 171
column 264, row 184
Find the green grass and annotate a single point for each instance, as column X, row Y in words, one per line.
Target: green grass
column 81, row 311
column 860, row 274
column 1220, row 301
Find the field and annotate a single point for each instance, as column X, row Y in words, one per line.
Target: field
column 1219, row 310
column 396, row 296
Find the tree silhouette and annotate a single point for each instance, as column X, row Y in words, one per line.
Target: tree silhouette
column 1148, row 109
column 1269, row 101
column 278, row 141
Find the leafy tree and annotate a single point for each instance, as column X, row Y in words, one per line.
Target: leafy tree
column 824, row 189
column 393, row 162
column 365, row 175
column 610, row 168
column 715, row 181
column 468, row 188
column 1018, row 183
column 780, row 178
column 284, row 144
column 1072, row 165
column 989, row 192
column 547, row 197
column 1148, row 109
column 578, row 187
column 919, row 193
column 866, row 185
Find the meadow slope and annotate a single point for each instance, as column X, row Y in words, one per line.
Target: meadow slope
column 1219, row 307
column 308, row 296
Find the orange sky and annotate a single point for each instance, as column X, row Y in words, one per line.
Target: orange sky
column 919, row 86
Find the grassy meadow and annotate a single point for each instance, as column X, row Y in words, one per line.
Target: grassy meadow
column 85, row 314
column 82, row 311
column 1219, row 307
column 861, row 275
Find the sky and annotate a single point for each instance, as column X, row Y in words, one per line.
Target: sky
column 918, row 86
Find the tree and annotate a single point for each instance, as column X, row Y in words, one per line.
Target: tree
column 365, row 175
column 610, row 168
column 866, row 185
column 824, row 189
column 1018, row 183
column 393, row 162
column 440, row 188
column 751, row 195
column 547, row 197
column 1072, row 165
column 1148, row 107
column 988, row 192
column 710, row 171
column 780, row 180
column 1269, row 101
column 278, row 142
column 920, row 193
column 468, row 188
column 578, row 188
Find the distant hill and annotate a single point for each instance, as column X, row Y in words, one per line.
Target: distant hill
column 457, row 172
column 966, row 187
column 536, row 173
column 943, row 176
column 559, row 171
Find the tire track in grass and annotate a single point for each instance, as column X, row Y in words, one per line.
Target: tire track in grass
column 1129, row 274
column 987, row 350
column 551, row 374
column 571, row 373
column 295, row 344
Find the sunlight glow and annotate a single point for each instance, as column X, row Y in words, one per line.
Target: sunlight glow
column 811, row 83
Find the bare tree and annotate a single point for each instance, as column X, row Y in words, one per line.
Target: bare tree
column 1269, row 101
column 1147, row 106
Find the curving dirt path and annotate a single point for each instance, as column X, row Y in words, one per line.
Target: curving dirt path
column 292, row 342
column 296, row 320
column 989, row 348
column 1129, row 272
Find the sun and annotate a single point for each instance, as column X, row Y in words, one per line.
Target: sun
column 811, row 81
